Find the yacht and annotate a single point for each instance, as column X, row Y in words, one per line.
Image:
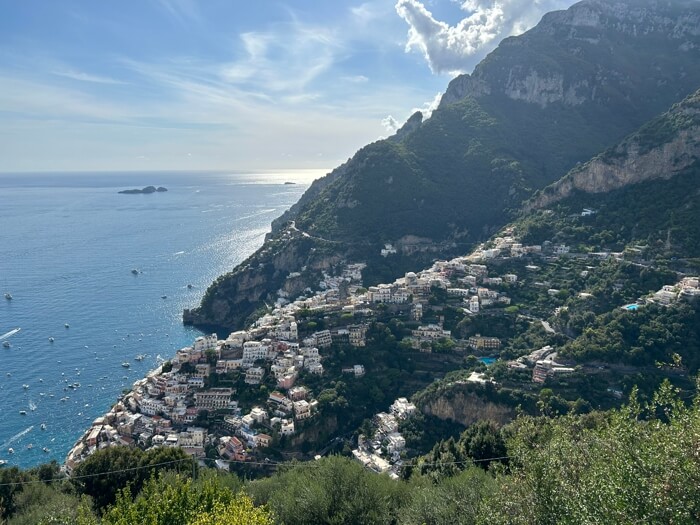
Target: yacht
column 125, row 364
column 51, row 339
column 46, row 450
column 22, row 412
column 140, row 357
column 66, row 325
column 8, row 296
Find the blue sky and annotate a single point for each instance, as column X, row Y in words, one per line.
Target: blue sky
column 222, row 84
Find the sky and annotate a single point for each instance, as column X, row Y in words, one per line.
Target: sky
column 229, row 85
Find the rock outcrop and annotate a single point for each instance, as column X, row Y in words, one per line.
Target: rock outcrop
column 664, row 147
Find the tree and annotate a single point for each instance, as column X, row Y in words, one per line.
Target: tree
column 106, row 472
column 175, row 500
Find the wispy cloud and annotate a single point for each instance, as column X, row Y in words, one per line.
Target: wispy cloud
column 183, row 11
column 448, row 49
column 86, row 77
column 284, row 59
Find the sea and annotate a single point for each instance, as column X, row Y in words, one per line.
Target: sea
column 68, row 245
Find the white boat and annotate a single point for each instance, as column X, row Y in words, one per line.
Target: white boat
column 140, row 357
column 32, row 406
column 43, row 426
column 125, row 364
column 10, row 450
column 8, row 296
column 66, row 325
column 6, row 344
column 46, row 450
column 51, row 339
column 22, row 412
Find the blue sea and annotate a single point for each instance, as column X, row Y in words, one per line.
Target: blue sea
column 68, row 244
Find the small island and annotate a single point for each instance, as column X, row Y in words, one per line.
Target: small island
column 147, row 189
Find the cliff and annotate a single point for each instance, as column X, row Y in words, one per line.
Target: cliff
column 661, row 149
column 257, row 282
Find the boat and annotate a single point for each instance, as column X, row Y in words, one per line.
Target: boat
column 22, row 412
column 140, row 357
column 3, row 462
column 189, row 286
column 46, row 450
column 125, row 364
column 25, row 386
column 32, row 406
column 10, row 450
column 8, row 296
column 163, row 296
column 51, row 339
column 30, row 446
column 6, row 344
column 135, row 271
column 43, row 426
column 66, row 325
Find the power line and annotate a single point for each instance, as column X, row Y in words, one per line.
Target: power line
column 274, row 464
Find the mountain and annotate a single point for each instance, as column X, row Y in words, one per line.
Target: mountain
column 542, row 102
column 644, row 191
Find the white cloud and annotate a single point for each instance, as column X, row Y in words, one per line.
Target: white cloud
column 430, row 106
column 390, row 124
column 452, row 49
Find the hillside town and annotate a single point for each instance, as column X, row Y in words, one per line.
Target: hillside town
column 173, row 406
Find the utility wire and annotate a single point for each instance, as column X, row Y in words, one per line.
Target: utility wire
column 276, row 464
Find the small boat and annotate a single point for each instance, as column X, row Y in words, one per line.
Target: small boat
column 140, row 357
column 43, row 426
column 135, row 271
column 6, row 344
column 8, row 296
column 30, row 446
column 3, row 462
column 163, row 296
column 66, row 325
column 125, row 364
column 32, row 406
column 46, row 450
column 25, row 386
column 51, row 339
column 10, row 450
column 22, row 412
column 189, row 286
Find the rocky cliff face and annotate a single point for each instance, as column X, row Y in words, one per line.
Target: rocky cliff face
column 233, row 297
column 664, row 147
column 587, row 29
column 467, row 408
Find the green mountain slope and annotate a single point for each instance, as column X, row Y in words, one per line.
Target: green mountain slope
column 532, row 110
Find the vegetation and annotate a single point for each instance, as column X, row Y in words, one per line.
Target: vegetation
column 637, row 464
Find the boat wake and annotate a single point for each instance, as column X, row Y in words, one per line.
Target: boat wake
column 17, row 436
column 9, row 334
